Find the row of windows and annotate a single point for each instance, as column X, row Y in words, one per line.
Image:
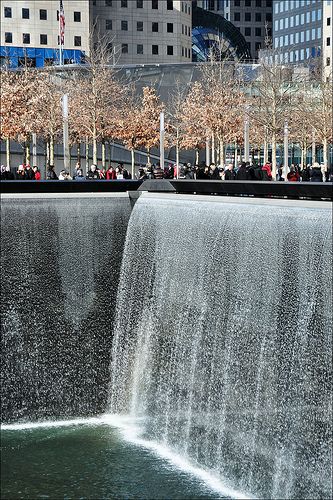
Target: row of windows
column 285, row 5
column 154, row 50
column 252, row 3
column 42, row 14
column 155, row 27
column 297, row 55
column 295, row 38
column 42, row 39
column 257, row 17
column 249, row 31
column 140, row 3
column 299, row 19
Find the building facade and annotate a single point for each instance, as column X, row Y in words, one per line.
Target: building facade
column 327, row 39
column 216, row 6
column 298, row 30
column 30, row 32
column 254, row 20
column 146, row 31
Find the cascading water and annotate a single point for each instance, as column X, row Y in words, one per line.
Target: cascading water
column 222, row 342
column 60, row 264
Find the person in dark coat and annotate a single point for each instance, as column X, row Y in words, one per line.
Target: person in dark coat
column 242, row 174
column 20, row 175
column 315, row 173
column 7, row 174
column 230, row 174
column 213, row 172
column 50, row 174
column 305, row 174
column 93, row 173
column 29, row 174
column 158, row 172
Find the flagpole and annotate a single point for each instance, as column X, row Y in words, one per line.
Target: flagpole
column 60, row 34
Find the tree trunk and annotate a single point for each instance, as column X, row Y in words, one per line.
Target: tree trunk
column 207, row 151
column 221, row 150
column 274, row 156
column 148, row 156
column 304, row 149
column 235, row 159
column 27, row 153
column 94, row 150
column 87, row 154
column 265, row 150
column 78, row 152
column 103, row 153
column 325, row 155
column 51, row 150
column 197, row 156
column 47, row 152
column 8, row 152
column 313, row 148
column 133, row 162
column 177, row 159
column 213, row 148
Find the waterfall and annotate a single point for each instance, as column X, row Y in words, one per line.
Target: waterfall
column 60, row 260
column 222, row 338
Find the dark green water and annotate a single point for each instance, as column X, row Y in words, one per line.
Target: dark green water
column 88, row 462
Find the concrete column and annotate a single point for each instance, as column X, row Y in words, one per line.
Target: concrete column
column 285, row 150
column 65, row 132
column 34, row 149
column 246, row 138
column 162, row 140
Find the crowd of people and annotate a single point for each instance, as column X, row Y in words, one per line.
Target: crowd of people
column 245, row 171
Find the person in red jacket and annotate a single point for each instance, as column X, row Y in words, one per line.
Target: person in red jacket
column 293, row 175
column 36, row 172
column 111, row 174
column 267, row 172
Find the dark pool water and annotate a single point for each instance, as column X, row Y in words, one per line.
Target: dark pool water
column 88, row 462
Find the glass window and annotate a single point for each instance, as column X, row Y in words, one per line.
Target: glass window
column 108, row 3
column 247, row 31
column 281, row 41
column 319, row 15
column 281, row 6
column 139, row 26
column 170, row 50
column 169, row 27
column 302, row 36
column 139, row 5
column 307, row 52
column 7, row 11
column 297, row 4
column 276, row 7
column 248, row 16
column 124, row 5
column 302, row 18
column 257, row 46
column 276, row 25
column 328, row 22
column 291, row 56
column 43, row 14
column 297, row 20
column 281, row 24
column 291, row 4
column 237, row 3
column 258, row 17
column 169, row 4
column 8, row 37
column 25, row 14
column 124, row 25
column 296, row 37
column 302, row 3
column 43, row 39
column 313, row 16
column 154, row 4
column 328, row 41
column 26, row 37
column 108, row 24
column 301, row 55
column 319, row 33
column 328, row 61
column 154, row 50
column 308, row 17
column 291, row 21
column 276, row 42
column 124, row 48
column 236, row 16
column 291, row 38
column 77, row 17
column 154, row 27
column 258, row 31
column 77, row 41
column 258, row 3
column 296, row 55
column 286, row 5
column 307, row 35
column 286, row 23
column 286, row 40
column 247, row 3
column 139, row 48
